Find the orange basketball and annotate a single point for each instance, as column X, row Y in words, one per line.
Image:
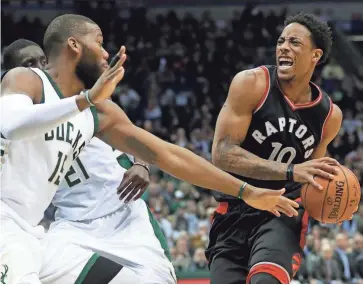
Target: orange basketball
column 338, row 200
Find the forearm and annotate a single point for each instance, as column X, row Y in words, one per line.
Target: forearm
column 21, row 119
column 139, row 160
column 189, row 167
column 235, row 159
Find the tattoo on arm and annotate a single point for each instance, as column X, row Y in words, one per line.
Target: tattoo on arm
column 231, row 157
column 225, row 153
column 141, row 150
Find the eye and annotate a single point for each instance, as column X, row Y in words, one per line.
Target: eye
column 280, row 41
column 28, row 63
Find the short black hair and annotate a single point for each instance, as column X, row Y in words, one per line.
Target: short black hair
column 11, row 52
column 321, row 34
column 61, row 28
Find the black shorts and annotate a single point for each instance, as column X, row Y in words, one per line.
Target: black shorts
column 244, row 242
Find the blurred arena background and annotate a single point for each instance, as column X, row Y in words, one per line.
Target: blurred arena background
column 182, row 57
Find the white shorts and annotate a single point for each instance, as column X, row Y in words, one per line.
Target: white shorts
column 126, row 237
column 20, row 250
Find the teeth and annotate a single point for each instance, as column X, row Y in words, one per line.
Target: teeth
column 285, row 59
column 284, row 67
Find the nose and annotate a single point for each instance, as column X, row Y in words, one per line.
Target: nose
column 284, row 46
column 105, row 54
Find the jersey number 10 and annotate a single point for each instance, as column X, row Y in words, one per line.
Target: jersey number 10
column 278, row 154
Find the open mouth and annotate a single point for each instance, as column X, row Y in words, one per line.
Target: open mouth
column 285, row 63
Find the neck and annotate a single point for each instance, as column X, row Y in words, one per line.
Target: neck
column 298, row 91
column 64, row 75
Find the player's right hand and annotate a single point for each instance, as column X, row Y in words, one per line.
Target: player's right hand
column 325, row 167
column 106, row 84
column 270, row 200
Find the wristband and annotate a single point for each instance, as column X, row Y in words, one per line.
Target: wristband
column 143, row 165
column 241, row 190
column 86, row 93
column 290, row 172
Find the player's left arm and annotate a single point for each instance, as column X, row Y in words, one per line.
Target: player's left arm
column 331, row 129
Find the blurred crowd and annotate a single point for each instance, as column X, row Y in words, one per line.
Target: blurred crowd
column 178, row 73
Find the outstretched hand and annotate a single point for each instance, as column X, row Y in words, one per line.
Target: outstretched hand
column 270, row 200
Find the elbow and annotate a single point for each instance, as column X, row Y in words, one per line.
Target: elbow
column 219, row 154
column 11, row 129
column 217, row 159
column 9, row 134
column 16, row 132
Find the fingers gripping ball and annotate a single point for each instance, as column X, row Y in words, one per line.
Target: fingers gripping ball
column 338, row 200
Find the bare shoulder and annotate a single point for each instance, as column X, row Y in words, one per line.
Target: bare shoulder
column 21, row 80
column 336, row 114
column 248, row 87
column 333, row 123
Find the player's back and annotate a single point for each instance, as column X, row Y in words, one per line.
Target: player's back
column 33, row 168
column 89, row 188
column 284, row 132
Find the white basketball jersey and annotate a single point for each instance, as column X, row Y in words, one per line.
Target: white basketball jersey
column 32, row 169
column 88, row 190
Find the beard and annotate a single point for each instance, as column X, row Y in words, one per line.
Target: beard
column 87, row 70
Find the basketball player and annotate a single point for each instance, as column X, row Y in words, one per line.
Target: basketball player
column 93, row 226
column 45, row 127
column 25, row 53
column 88, row 193
column 273, row 130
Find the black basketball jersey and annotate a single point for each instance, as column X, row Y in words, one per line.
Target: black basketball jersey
column 284, row 132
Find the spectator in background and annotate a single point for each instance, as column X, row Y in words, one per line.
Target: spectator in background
column 326, row 269
column 199, row 260
column 358, row 218
column 343, row 257
column 357, row 245
column 128, row 99
column 332, row 75
column 179, row 138
column 182, row 260
column 357, row 256
column 181, row 222
column 164, row 223
column 359, row 266
column 312, row 256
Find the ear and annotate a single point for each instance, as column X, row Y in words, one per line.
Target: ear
column 74, row 45
column 317, row 54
